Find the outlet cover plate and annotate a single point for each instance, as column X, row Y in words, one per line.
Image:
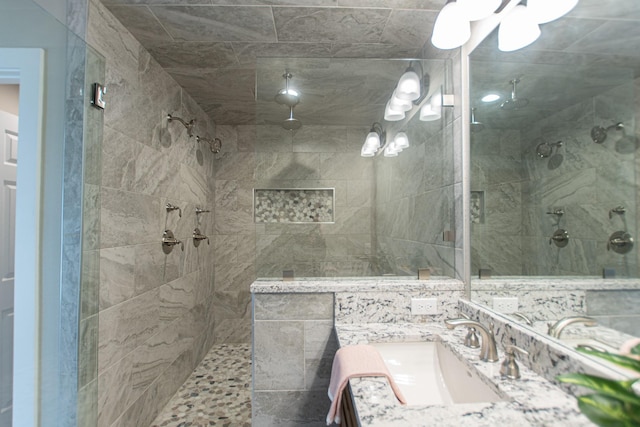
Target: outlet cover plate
column 422, row 306
column 505, row 305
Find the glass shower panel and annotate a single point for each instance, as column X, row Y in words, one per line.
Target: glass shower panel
column 387, row 214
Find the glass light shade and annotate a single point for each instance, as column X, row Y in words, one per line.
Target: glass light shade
column 367, row 153
column 391, row 150
column 391, row 114
column 401, row 141
column 452, row 28
column 372, row 141
column 399, row 103
column 408, row 86
column 544, row 11
column 427, row 114
column 479, row 9
column 517, row 30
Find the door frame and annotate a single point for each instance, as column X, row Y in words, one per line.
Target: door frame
column 25, row 66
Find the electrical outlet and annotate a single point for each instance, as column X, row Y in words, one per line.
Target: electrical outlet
column 424, row 306
column 505, row 304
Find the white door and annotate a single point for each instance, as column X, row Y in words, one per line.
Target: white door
column 8, row 168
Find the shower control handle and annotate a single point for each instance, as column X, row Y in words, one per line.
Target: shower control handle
column 620, row 242
column 169, row 241
column 198, row 237
column 560, row 238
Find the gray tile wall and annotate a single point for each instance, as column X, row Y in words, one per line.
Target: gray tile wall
column 617, row 309
column 155, row 316
column 587, row 181
column 293, row 348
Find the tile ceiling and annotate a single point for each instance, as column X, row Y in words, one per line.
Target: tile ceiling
column 211, row 47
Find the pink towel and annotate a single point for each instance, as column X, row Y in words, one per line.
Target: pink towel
column 355, row 361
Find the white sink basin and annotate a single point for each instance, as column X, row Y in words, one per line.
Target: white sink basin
column 428, row 373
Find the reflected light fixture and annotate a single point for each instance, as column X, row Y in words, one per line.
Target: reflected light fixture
column 518, row 29
column 408, row 86
column 401, row 141
column 391, row 150
column 544, row 11
column 397, row 103
column 374, row 140
column 490, row 97
column 452, row 28
column 392, row 114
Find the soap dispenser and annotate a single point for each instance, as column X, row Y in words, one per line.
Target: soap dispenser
column 510, row 368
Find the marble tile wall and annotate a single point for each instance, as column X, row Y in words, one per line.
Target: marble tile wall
column 496, row 169
column 297, row 328
column 316, row 157
column 587, row 180
column 154, row 314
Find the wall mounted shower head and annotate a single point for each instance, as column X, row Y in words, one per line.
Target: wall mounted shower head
column 545, row 149
column 599, row 134
column 514, row 102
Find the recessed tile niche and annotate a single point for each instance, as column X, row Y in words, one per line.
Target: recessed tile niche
column 294, row 205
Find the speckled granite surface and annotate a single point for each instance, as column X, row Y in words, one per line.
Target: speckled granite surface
column 373, row 284
column 218, row 392
column 533, row 401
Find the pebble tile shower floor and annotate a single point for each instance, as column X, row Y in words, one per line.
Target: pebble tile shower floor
column 218, row 392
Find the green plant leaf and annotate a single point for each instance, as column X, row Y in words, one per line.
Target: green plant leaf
column 618, row 359
column 636, row 350
column 619, row 389
column 607, row 411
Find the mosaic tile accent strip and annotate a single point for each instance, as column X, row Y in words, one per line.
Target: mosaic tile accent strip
column 296, row 205
column 218, row 392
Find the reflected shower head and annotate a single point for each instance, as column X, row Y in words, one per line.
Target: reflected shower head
column 291, row 123
column 287, row 96
column 545, row 149
column 514, row 102
column 599, row 134
column 475, row 125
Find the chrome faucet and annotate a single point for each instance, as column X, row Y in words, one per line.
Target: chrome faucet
column 522, row 317
column 488, row 350
column 555, row 329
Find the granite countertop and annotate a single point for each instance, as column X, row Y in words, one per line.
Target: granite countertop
column 518, row 283
column 336, row 284
column 533, row 401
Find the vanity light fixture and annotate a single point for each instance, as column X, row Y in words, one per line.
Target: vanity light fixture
column 452, row 28
column 374, row 140
column 397, row 103
column 408, row 86
column 391, row 150
column 399, row 143
column 431, row 110
column 518, row 29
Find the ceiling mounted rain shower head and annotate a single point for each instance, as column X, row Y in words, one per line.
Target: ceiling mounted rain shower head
column 475, row 125
column 514, row 102
column 287, row 96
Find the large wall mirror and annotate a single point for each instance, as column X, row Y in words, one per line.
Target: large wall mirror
column 554, row 171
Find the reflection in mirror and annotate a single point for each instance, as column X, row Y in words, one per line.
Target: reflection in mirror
column 382, row 215
column 554, row 172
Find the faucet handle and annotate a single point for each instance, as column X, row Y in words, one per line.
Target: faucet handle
column 472, row 340
column 510, row 368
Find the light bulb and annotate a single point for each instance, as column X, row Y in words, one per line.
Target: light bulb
column 517, row 30
column 372, row 141
column 452, row 28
